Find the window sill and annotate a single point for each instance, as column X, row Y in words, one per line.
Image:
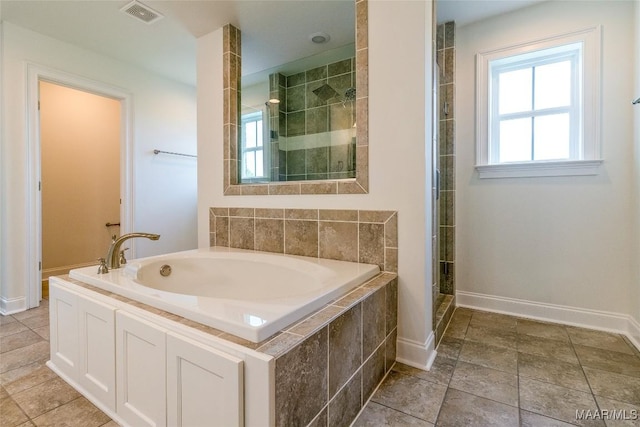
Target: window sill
column 540, row 169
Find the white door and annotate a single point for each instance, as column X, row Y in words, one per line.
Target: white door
column 97, row 364
column 202, row 384
column 141, row 371
column 63, row 312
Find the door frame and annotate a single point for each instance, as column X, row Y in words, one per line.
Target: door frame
column 35, row 74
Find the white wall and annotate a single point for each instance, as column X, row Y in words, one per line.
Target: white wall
column 164, row 114
column 399, row 111
column 636, row 120
column 553, row 241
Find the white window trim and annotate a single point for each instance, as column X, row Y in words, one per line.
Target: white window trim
column 244, row 148
column 591, row 159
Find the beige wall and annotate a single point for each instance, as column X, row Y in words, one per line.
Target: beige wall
column 560, row 246
column 80, row 140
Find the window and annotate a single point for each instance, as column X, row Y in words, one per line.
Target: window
column 252, row 146
column 537, row 111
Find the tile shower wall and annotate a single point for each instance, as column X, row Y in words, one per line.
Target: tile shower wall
column 445, row 40
column 232, row 71
column 369, row 237
column 328, row 115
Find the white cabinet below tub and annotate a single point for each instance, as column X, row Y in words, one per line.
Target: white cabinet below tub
column 97, row 367
column 141, row 373
column 202, row 384
column 63, row 331
column 83, row 343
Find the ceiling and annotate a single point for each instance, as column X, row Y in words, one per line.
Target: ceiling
column 467, row 11
column 273, row 32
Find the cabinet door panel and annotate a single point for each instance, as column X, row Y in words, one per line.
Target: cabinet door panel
column 202, row 384
column 141, row 371
column 97, row 351
column 63, row 314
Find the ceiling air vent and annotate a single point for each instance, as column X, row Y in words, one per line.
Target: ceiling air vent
column 142, row 12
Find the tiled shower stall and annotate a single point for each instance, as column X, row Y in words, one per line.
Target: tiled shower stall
column 445, row 57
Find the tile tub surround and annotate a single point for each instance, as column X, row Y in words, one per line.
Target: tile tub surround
column 337, row 364
column 369, row 237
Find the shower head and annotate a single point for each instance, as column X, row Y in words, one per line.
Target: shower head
column 350, row 94
column 325, row 92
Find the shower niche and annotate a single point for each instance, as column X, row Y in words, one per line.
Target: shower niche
column 307, row 128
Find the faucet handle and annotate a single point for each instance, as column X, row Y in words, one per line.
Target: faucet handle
column 103, row 266
column 123, row 260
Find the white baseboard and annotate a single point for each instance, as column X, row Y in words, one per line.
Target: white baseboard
column 12, row 305
column 634, row 332
column 64, row 269
column 416, row 354
column 574, row 316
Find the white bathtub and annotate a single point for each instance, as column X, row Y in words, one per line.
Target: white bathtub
column 245, row 293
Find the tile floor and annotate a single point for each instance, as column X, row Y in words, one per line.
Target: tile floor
column 491, row 370
column 498, row 370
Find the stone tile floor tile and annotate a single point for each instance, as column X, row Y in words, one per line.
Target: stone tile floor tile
column 493, row 320
column 542, row 330
column 599, row 339
column 505, row 338
column 545, row 347
column 554, row 372
column 614, row 386
column 79, row 412
column 464, row 409
column 489, row 356
column 376, row 415
column 624, row 412
column 530, row 419
column 556, row 402
column 440, row 372
column 486, row 382
column 411, row 395
column 605, row 360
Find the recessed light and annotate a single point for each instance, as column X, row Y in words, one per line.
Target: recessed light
column 319, row 37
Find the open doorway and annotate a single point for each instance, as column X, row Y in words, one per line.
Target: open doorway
column 36, row 75
column 80, row 175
